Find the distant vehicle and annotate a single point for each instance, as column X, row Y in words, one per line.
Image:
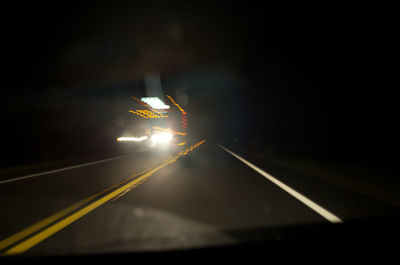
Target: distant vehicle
column 158, row 136
column 166, row 129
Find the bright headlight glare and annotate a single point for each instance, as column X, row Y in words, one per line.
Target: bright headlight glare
column 161, row 137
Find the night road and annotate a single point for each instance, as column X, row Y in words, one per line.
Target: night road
column 206, row 128
column 144, row 202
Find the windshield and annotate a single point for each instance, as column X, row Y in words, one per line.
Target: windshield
column 158, row 126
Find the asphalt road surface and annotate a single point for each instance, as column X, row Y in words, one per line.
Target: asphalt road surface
column 202, row 196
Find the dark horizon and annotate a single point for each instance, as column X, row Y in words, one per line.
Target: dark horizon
column 285, row 80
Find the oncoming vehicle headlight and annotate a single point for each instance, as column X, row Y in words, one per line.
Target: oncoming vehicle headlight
column 161, row 137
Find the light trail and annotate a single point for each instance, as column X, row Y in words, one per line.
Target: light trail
column 131, row 139
column 176, row 104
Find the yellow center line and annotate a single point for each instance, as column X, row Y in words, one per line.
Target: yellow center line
column 55, row 227
column 39, row 225
column 39, row 237
column 45, row 222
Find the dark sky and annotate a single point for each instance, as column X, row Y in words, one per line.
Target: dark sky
column 306, row 79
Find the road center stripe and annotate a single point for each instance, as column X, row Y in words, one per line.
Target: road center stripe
column 54, row 228
column 33, row 228
column 39, row 237
column 314, row 206
column 47, row 221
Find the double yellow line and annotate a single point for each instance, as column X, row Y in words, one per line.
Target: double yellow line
column 74, row 215
column 38, row 232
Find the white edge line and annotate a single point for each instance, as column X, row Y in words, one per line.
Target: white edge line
column 59, row 170
column 314, row 206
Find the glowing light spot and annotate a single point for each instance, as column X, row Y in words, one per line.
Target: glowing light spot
column 155, row 102
column 131, row 139
column 167, row 130
column 161, row 137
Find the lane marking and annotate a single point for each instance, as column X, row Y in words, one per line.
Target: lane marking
column 39, row 225
column 314, row 206
column 55, row 227
column 45, row 222
column 39, row 237
column 61, row 169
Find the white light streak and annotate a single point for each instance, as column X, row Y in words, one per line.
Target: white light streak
column 155, row 102
column 131, row 139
